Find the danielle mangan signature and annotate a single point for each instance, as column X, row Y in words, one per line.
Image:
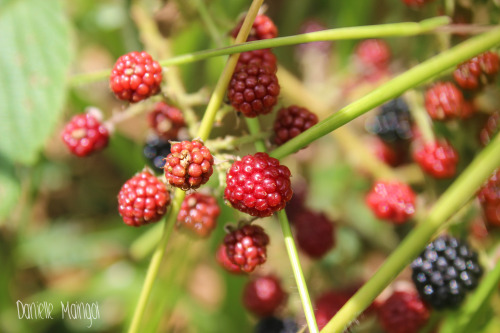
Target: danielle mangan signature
column 43, row 310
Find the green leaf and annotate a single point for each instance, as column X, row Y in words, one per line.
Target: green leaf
column 34, row 62
column 9, row 188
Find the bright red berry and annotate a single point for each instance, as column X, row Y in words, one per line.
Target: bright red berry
column 438, row 159
column 189, row 165
column 253, row 90
column 403, row 312
column 392, row 201
column 490, row 128
column 292, row 121
column 314, row 233
column 374, row 53
column 444, row 101
column 478, row 71
column 263, row 295
column 258, row 185
column 85, row 134
column 489, row 197
column 262, row 57
column 223, row 260
column 135, row 76
column 198, row 213
column 166, row 121
column 143, row 199
column 246, row 247
column 262, row 28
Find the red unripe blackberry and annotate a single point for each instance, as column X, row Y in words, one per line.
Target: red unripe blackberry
column 135, row 76
column 490, row 128
column 374, row 53
column 253, row 90
column 438, row 159
column 143, row 199
column 166, row 121
column 263, row 295
column 223, row 260
column 246, row 247
column 478, row 71
column 489, row 197
column 314, row 233
column 262, row 57
column 199, row 213
column 403, row 312
column 189, row 165
column 328, row 304
column 392, row 201
column 444, row 101
column 292, row 121
column 258, row 185
column 262, row 28
column 385, row 152
column 85, row 134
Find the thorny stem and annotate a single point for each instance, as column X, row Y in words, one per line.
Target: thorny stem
column 448, row 204
column 254, row 127
column 364, row 32
column 203, row 133
column 392, row 89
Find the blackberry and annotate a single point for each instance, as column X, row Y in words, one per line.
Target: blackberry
column 263, row 295
column 438, row 159
column 292, row 121
column 262, row 28
column 489, row 197
column 85, row 134
column 445, row 271
column 276, row 325
column 315, row 233
column 155, row 150
column 490, row 128
column 393, row 123
column 444, row 101
column 166, row 121
column 373, row 53
column 403, row 312
column 392, row 201
column 247, row 247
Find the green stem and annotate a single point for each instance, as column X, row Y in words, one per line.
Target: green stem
column 222, row 83
column 232, row 142
column 297, row 272
column 209, row 23
column 364, row 32
column 203, row 133
column 392, row 89
column 156, row 259
column 254, row 128
column 450, row 202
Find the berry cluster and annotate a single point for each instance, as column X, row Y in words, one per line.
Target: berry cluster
column 393, row 123
column 263, row 295
column 166, row 121
column 292, row 121
column 392, row 201
column 478, row 71
column 135, row 76
column 262, row 28
column 438, row 159
column 445, row 271
column 444, row 101
column 143, row 199
column 199, row 214
column 403, row 312
column 189, row 165
column 315, row 233
column 246, row 247
column 85, row 134
column 258, row 185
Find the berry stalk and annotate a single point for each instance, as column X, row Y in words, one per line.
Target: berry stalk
column 392, row 89
column 365, row 32
column 156, row 259
column 203, row 133
column 450, row 202
column 254, row 127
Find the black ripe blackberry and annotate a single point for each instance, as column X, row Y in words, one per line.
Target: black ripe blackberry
column 276, row 325
column 445, row 271
column 393, row 123
column 155, row 150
